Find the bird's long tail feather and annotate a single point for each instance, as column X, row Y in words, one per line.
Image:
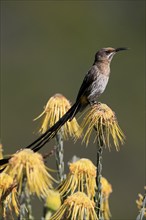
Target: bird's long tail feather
column 51, row 132
column 4, row 161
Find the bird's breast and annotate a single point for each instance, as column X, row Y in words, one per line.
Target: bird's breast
column 101, row 83
column 97, row 87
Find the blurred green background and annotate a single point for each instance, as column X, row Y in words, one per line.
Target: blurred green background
column 46, row 48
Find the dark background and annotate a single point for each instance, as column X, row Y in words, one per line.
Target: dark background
column 46, row 48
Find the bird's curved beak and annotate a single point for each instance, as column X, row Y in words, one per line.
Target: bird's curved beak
column 121, row 48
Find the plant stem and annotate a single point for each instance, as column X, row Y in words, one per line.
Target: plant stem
column 59, row 155
column 25, row 203
column 98, row 195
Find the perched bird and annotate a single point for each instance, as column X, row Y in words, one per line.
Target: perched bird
column 93, row 85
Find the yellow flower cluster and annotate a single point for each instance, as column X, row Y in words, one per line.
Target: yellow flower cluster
column 27, row 166
column 102, row 119
column 30, row 165
column 80, row 178
column 76, row 206
column 55, row 108
column 79, row 188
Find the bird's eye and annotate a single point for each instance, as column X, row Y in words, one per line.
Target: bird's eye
column 108, row 52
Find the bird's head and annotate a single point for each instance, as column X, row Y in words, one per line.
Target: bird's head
column 106, row 54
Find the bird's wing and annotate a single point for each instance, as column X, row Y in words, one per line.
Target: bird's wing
column 90, row 77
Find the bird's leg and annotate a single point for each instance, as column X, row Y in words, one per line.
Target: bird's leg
column 93, row 102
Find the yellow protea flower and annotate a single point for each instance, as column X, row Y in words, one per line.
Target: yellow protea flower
column 53, row 203
column 80, row 178
column 76, row 206
column 8, row 194
column 53, row 200
column 103, row 120
column 30, row 165
column 140, row 205
column 55, row 108
column 106, row 191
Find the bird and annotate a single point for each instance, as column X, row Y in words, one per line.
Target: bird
column 93, row 85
